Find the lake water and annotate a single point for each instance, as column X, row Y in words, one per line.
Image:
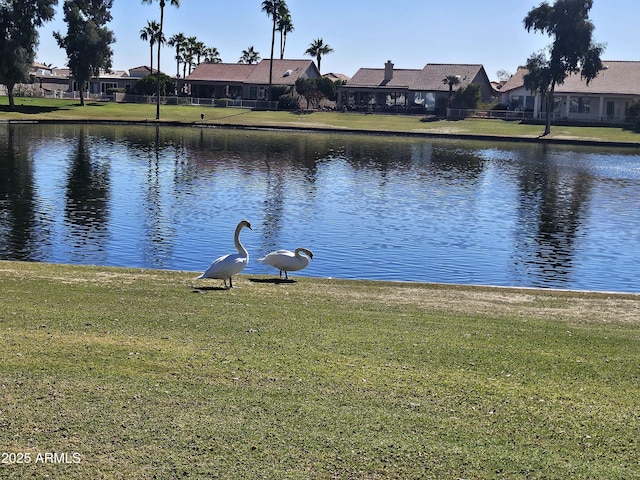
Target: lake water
column 369, row 207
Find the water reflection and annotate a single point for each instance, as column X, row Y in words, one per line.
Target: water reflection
column 18, row 228
column 86, row 211
column 369, row 207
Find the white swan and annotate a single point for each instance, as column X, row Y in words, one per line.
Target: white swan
column 225, row 267
column 287, row 261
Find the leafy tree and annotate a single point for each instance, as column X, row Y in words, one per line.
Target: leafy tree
column 178, row 41
column 175, row 3
column 249, row 56
column 151, row 33
column 503, row 75
column 19, row 21
column 572, row 49
column 468, row 97
column 275, row 9
column 633, row 113
column 317, row 49
column 87, row 41
column 149, row 85
column 328, row 88
column 308, row 89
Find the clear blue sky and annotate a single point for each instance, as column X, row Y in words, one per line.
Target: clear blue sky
column 410, row 33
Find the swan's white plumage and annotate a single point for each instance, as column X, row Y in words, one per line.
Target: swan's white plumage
column 287, row 261
column 226, row 266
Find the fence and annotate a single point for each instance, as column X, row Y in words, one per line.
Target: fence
column 167, row 100
column 515, row 115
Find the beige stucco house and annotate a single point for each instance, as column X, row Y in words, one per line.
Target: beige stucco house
column 58, row 81
column 605, row 99
column 413, row 89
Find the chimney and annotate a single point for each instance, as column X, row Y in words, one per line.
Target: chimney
column 388, row 71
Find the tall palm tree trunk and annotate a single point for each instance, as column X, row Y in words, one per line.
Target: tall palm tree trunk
column 159, row 45
column 273, row 41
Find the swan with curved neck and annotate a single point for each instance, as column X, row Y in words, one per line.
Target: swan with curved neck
column 226, row 266
column 287, row 261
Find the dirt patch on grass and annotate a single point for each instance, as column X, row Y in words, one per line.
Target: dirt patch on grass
column 575, row 307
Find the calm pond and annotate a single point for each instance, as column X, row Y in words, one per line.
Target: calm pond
column 369, row 207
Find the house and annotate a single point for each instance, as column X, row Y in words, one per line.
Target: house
column 50, row 79
column 244, row 81
column 420, row 89
column 141, row 72
column 605, row 99
column 109, row 80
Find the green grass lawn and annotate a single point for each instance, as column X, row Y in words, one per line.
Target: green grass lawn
column 144, row 376
column 30, row 109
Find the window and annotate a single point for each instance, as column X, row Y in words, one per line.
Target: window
column 427, row 99
column 258, row 93
column 580, row 105
column 105, row 86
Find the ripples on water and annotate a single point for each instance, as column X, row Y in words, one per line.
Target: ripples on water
column 369, row 207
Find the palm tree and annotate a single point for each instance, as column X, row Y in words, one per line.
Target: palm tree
column 452, row 81
column 175, row 3
column 284, row 26
column 211, row 55
column 191, row 52
column 198, row 50
column 274, row 9
column 249, row 56
column 177, row 40
column 317, row 49
column 150, row 34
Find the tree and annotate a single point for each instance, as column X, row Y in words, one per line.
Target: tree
column 150, row 33
column 175, row 3
column 317, row 49
column 19, row 23
column 452, row 81
column 285, row 26
column 211, row 55
column 572, row 49
column 308, row 89
column 468, row 97
column 190, row 51
column 274, row 9
column 87, row 42
column 178, row 41
column 199, row 50
column 148, row 85
column 249, row 56
column 503, row 75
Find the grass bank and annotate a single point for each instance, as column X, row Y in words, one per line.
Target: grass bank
column 140, row 375
column 37, row 109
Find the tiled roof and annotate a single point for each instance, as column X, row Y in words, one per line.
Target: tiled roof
column 374, row 77
column 432, row 75
column 618, row 78
column 430, row 78
column 223, row 72
column 285, row 72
